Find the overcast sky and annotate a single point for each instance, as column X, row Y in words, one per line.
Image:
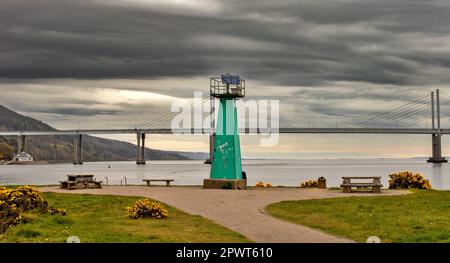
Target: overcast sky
column 103, row 63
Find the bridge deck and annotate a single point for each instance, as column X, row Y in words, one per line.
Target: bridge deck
column 242, row 131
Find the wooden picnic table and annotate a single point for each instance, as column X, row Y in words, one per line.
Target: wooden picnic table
column 80, row 181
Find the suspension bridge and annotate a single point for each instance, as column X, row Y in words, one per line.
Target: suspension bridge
column 411, row 118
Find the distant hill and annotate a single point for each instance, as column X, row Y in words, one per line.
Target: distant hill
column 195, row 155
column 60, row 148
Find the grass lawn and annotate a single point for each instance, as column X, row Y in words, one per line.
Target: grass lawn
column 99, row 218
column 423, row 216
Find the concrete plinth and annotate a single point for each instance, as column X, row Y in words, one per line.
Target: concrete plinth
column 436, row 154
column 437, row 160
column 225, row 184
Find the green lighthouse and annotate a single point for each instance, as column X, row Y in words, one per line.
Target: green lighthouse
column 226, row 167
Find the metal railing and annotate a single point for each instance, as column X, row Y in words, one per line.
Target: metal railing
column 220, row 89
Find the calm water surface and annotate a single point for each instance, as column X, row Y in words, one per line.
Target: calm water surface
column 278, row 172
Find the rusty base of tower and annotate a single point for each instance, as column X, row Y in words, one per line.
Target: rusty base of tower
column 239, row 184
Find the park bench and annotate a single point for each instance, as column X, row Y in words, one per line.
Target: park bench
column 375, row 185
column 80, row 181
column 148, row 181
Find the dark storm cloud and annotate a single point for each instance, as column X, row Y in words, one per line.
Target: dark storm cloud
column 281, row 42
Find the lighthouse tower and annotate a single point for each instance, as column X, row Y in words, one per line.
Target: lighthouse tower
column 226, row 167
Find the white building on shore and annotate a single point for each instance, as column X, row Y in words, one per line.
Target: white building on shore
column 23, row 157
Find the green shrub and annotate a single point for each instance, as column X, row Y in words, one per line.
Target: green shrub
column 147, row 209
column 406, row 179
column 6, row 151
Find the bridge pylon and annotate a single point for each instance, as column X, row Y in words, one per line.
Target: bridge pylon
column 140, row 148
column 436, row 137
column 78, row 149
column 21, row 144
column 436, row 150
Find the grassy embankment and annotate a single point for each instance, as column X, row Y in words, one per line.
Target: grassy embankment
column 104, row 219
column 423, row 216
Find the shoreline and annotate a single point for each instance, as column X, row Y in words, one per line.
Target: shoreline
column 286, row 173
column 51, row 162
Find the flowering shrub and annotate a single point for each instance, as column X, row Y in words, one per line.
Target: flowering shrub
column 27, row 198
column 310, row 184
column 147, row 209
column 22, row 199
column 56, row 211
column 263, row 185
column 9, row 215
column 406, row 179
column 259, row 184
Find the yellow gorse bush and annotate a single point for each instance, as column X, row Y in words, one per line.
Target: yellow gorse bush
column 309, row 184
column 147, row 209
column 56, row 211
column 22, row 199
column 9, row 216
column 263, row 185
column 27, row 198
column 406, row 179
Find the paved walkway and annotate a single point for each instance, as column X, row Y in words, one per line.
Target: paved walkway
column 241, row 211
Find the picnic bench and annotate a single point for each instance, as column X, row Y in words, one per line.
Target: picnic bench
column 148, row 181
column 375, row 185
column 80, row 181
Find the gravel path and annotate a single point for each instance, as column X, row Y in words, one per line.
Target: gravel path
column 241, row 211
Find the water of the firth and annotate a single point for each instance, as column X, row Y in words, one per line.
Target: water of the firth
column 277, row 172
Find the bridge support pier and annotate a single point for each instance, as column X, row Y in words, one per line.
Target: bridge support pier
column 78, row 149
column 436, row 150
column 140, row 148
column 436, row 137
column 21, row 144
column 212, row 138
